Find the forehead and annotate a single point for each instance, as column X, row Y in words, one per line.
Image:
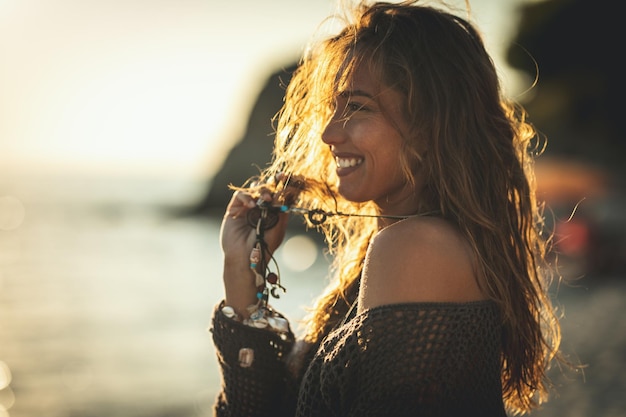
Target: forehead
column 362, row 80
column 356, row 69
column 363, row 83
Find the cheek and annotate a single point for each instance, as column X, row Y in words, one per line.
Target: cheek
column 391, row 150
column 389, row 167
column 395, row 163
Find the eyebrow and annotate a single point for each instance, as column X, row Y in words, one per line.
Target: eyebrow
column 353, row 93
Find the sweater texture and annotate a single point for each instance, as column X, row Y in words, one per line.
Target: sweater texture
column 413, row 359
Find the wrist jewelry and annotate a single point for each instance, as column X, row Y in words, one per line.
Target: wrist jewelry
column 267, row 282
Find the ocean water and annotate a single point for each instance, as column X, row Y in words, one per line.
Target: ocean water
column 105, row 300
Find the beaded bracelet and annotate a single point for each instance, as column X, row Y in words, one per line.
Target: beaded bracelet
column 260, row 318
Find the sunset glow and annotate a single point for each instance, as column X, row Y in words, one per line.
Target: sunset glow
column 136, row 87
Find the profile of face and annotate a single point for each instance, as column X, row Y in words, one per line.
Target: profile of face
column 365, row 136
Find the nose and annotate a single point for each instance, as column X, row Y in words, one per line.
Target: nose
column 334, row 131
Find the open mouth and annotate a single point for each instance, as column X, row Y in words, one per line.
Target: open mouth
column 348, row 162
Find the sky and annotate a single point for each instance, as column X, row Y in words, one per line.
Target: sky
column 153, row 87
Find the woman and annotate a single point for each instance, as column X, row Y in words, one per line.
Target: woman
column 395, row 141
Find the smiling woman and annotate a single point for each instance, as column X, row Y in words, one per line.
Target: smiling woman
column 366, row 137
column 103, row 305
column 438, row 302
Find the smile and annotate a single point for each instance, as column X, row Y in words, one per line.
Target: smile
column 348, row 162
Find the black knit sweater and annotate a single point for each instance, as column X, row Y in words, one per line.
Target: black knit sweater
column 414, row 359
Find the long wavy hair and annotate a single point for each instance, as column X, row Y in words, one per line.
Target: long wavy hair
column 476, row 167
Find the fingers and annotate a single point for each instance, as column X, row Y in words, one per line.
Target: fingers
column 243, row 201
column 239, row 204
column 283, row 190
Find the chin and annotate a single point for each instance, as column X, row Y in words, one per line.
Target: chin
column 352, row 196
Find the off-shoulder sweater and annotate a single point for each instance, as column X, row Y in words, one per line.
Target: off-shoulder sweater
column 413, row 359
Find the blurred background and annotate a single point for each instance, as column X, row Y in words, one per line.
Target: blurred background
column 123, row 121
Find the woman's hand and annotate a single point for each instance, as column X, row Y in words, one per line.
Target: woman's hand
column 238, row 238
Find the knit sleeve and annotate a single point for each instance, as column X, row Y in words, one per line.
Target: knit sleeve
column 255, row 380
column 421, row 359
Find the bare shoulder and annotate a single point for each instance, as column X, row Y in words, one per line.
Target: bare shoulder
column 418, row 259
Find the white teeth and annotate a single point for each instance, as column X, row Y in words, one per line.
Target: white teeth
column 348, row 162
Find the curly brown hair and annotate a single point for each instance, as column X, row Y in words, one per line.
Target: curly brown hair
column 473, row 152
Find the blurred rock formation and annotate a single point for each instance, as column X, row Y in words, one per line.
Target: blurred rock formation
column 253, row 151
column 577, row 102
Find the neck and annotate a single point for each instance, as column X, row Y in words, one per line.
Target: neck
column 399, row 207
column 407, row 208
column 388, row 221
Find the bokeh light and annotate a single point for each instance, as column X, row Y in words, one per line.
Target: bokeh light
column 5, row 375
column 299, row 253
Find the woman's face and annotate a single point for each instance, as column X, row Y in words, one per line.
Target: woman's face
column 365, row 137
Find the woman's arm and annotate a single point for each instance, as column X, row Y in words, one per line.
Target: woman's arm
column 255, row 380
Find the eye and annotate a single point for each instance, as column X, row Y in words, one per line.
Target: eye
column 354, row 106
column 348, row 105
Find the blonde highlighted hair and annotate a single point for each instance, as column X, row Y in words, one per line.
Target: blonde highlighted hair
column 475, row 159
